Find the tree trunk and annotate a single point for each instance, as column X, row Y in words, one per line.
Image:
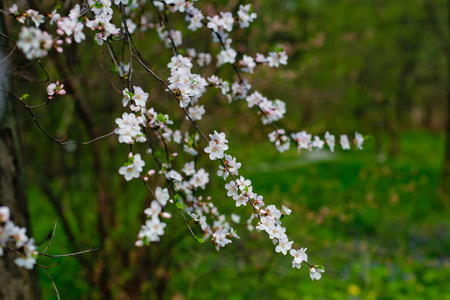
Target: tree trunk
column 15, row 282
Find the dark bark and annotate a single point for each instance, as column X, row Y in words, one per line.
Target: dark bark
column 15, row 282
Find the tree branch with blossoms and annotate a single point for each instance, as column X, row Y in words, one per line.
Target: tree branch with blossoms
column 143, row 122
column 14, row 239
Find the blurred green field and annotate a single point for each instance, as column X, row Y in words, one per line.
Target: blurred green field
column 378, row 224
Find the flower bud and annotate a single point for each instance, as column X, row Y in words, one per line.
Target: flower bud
column 166, row 215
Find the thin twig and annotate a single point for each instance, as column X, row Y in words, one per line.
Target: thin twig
column 59, row 141
column 124, row 20
column 69, row 254
column 51, row 279
column 53, row 235
column 48, row 267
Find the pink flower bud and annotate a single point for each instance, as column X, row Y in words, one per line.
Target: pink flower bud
column 166, row 215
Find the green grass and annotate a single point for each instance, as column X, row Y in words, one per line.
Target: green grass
column 381, row 229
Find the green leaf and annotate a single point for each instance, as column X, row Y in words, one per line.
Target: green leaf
column 319, row 267
column 98, row 5
column 176, row 199
column 279, row 49
column 179, row 205
column 200, row 240
column 24, row 96
column 130, row 94
column 161, row 118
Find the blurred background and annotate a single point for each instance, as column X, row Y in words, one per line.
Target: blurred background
column 377, row 219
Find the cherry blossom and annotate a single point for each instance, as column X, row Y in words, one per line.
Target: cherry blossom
column 345, row 144
column 133, row 169
column 315, row 273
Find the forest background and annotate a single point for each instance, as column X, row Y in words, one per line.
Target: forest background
column 377, row 219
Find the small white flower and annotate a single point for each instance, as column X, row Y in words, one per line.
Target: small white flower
column 359, row 140
column 134, row 169
column 4, row 214
column 162, row 195
column 315, row 274
column 345, row 144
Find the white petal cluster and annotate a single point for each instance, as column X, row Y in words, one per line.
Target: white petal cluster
column 204, row 59
column 10, row 233
column 195, row 18
column 170, row 38
column 129, row 130
column 188, row 87
column 274, row 59
column 299, row 257
column 35, row 17
column 153, row 228
column 34, row 42
column 133, row 168
column 226, row 56
column 345, row 144
column 199, row 179
column 231, row 167
column 330, row 140
column 245, row 15
column 315, row 273
column 239, row 90
column 217, row 145
column 102, row 23
column 281, row 140
column 247, row 64
column 222, row 23
column 218, row 83
column 359, row 140
column 196, row 112
column 271, row 110
column 303, row 140
column 70, row 26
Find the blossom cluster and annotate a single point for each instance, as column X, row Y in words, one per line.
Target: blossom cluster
column 154, row 228
column 303, row 140
column 54, row 89
column 10, row 233
column 272, row 110
column 269, row 217
column 188, row 87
